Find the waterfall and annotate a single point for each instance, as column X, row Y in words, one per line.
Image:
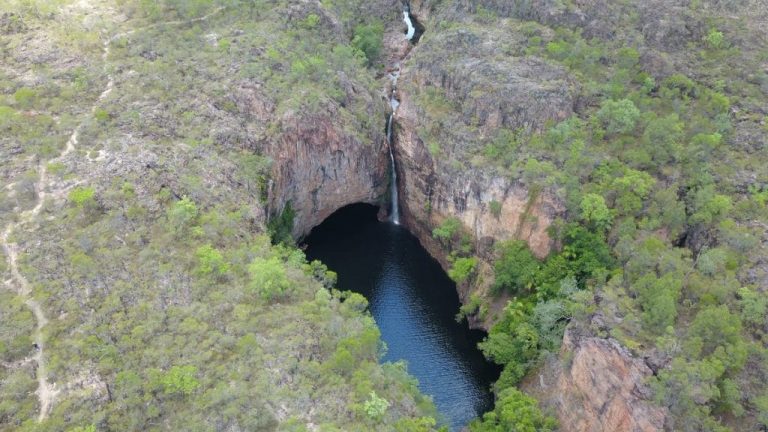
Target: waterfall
column 408, row 22
column 395, row 214
column 411, row 28
column 394, row 103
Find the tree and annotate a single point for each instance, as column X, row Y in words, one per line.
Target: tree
column 180, row 380
column 595, row 212
column 375, row 407
column 81, row 196
column 210, row 261
column 446, row 230
column 182, row 213
column 661, row 138
column 714, row 39
column 462, row 268
column 618, row 117
column 268, row 278
column 368, row 40
column 516, row 268
column 514, row 412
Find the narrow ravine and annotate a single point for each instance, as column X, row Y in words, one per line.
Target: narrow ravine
column 412, row 34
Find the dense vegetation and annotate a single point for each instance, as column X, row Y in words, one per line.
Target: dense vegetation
column 171, row 307
column 168, row 305
column 665, row 199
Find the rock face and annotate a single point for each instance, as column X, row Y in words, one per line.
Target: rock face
column 600, row 389
column 322, row 159
column 319, row 168
column 450, row 105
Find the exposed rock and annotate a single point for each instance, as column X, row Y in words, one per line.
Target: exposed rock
column 484, row 91
column 319, row 167
column 597, row 385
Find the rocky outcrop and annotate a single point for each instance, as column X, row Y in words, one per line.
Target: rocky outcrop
column 322, row 159
column 596, row 385
column 450, row 106
column 319, row 168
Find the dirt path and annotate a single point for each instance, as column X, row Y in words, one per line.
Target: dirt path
column 46, row 392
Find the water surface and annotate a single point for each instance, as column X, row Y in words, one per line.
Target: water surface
column 414, row 304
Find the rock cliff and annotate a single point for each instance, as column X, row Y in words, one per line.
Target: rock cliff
column 597, row 385
column 457, row 89
column 320, row 167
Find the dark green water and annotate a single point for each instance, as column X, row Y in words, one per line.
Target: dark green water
column 414, row 303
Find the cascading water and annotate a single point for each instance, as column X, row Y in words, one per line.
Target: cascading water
column 393, row 102
column 407, row 18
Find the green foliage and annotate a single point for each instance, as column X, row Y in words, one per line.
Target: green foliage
column 714, row 39
column 618, row 117
column 269, row 279
column 180, row 380
column 514, row 412
column 495, row 208
column 368, row 40
column 280, row 228
column 81, row 196
column 89, row 428
column 375, row 407
column 595, row 212
column 101, row 115
column 182, row 214
column 25, row 97
column 662, row 138
column 211, row 261
column 310, row 22
column 446, row 231
column 658, row 298
column 708, row 206
column 462, row 268
column 516, row 268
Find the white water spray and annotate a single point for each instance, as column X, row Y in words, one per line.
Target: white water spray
column 394, row 103
column 411, row 28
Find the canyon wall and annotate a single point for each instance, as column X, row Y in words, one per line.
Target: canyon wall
column 456, row 90
column 597, row 385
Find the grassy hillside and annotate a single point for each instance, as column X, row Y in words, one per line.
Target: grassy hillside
column 133, row 195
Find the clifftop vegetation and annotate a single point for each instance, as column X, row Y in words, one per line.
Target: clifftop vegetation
column 660, row 166
column 138, row 141
column 168, row 306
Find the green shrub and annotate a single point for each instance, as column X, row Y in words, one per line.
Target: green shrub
column 180, row 380
column 446, row 231
column 375, row 407
column 514, row 411
column 81, row 196
column 595, row 212
column 714, row 39
column 368, row 40
column 516, row 268
column 269, row 279
column 182, row 214
column 280, row 228
column 210, row 261
column 495, row 208
column 618, row 117
column 461, row 269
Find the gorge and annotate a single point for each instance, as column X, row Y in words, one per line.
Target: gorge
column 414, row 304
column 384, row 215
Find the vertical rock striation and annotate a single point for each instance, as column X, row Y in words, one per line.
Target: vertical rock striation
column 600, row 389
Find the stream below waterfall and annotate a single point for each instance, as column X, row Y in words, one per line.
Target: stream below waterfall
column 414, row 304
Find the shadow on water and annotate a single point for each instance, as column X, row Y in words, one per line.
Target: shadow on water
column 414, row 304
